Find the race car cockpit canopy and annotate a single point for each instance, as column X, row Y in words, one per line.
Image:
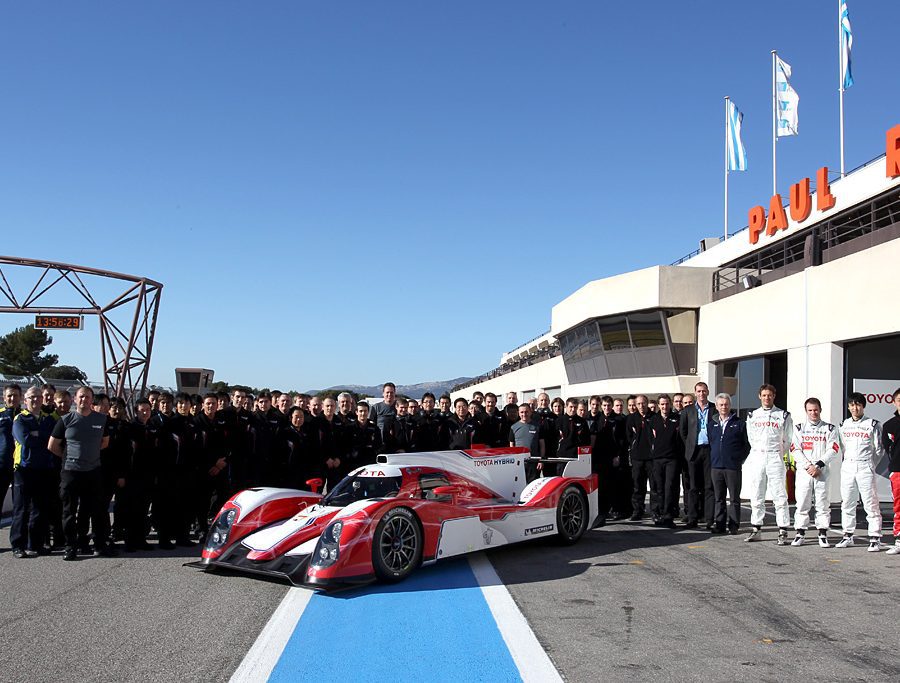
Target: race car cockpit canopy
column 367, row 482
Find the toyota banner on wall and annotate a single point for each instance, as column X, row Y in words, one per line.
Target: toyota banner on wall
column 879, row 405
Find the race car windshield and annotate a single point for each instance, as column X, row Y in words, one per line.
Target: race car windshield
column 352, row 489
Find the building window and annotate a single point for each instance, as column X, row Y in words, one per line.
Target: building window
column 614, row 332
column 646, row 329
column 741, row 379
column 640, row 344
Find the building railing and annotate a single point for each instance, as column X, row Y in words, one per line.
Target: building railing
column 523, row 345
column 513, row 365
column 863, row 226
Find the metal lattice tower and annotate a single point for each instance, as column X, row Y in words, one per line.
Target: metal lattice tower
column 127, row 322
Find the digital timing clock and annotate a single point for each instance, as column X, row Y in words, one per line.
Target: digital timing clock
column 58, row 322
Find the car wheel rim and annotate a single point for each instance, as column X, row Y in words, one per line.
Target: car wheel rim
column 572, row 514
column 398, row 543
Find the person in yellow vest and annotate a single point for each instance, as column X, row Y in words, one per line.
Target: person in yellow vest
column 34, row 477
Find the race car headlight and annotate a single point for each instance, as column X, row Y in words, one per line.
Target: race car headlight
column 335, row 531
column 218, row 534
column 328, row 548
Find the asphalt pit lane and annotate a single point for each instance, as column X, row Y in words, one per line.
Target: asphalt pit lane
column 580, row 601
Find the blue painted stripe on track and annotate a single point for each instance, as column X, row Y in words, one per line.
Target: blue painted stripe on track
column 433, row 626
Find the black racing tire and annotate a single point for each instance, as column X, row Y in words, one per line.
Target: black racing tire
column 572, row 513
column 397, row 545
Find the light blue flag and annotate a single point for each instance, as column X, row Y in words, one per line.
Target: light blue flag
column 787, row 99
column 846, row 45
column 737, row 156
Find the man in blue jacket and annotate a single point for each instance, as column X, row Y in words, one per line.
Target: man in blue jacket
column 34, row 477
column 728, row 447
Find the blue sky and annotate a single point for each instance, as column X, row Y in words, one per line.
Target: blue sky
column 351, row 192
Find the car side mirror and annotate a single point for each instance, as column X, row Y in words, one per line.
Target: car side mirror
column 447, row 494
column 314, row 484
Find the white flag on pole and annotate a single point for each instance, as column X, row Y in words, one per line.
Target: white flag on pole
column 787, row 99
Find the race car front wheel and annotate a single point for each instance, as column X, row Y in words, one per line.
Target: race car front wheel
column 397, row 545
column 571, row 515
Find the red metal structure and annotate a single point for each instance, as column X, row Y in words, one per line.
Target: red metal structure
column 127, row 322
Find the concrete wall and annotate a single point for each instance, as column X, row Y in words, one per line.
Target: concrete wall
column 552, row 373
column 656, row 287
column 808, row 315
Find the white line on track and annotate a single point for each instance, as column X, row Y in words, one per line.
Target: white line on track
column 532, row 661
column 265, row 652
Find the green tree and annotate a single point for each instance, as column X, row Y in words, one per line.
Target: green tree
column 21, row 349
column 64, row 372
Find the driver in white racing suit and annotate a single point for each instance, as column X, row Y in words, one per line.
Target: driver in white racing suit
column 769, row 431
column 815, row 448
column 863, row 450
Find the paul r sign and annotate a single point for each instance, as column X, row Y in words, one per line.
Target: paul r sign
column 800, row 205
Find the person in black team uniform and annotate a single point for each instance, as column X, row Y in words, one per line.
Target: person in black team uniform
column 445, row 412
column 493, row 428
column 668, row 449
column 461, row 426
column 365, row 439
column 573, row 433
column 301, row 459
column 549, row 433
column 140, row 478
column 330, row 442
column 345, row 412
column 607, row 434
column 265, row 430
column 113, row 467
column 212, row 463
column 239, row 427
column 427, row 426
column 398, row 429
column 640, row 433
column 187, row 469
column 621, row 474
column 167, row 508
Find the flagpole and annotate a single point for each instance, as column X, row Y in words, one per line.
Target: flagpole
column 726, row 167
column 774, row 126
column 841, row 82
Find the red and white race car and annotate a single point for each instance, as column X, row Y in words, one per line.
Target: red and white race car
column 384, row 520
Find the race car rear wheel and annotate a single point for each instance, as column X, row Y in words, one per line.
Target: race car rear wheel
column 397, row 545
column 571, row 515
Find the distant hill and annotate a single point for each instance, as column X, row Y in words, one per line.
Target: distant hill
column 411, row 390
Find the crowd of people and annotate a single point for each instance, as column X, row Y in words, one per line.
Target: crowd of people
column 172, row 466
column 686, row 443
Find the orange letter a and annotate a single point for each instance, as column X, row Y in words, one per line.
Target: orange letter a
column 777, row 216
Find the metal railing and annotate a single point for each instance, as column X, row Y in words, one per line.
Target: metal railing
column 524, row 344
column 877, row 220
